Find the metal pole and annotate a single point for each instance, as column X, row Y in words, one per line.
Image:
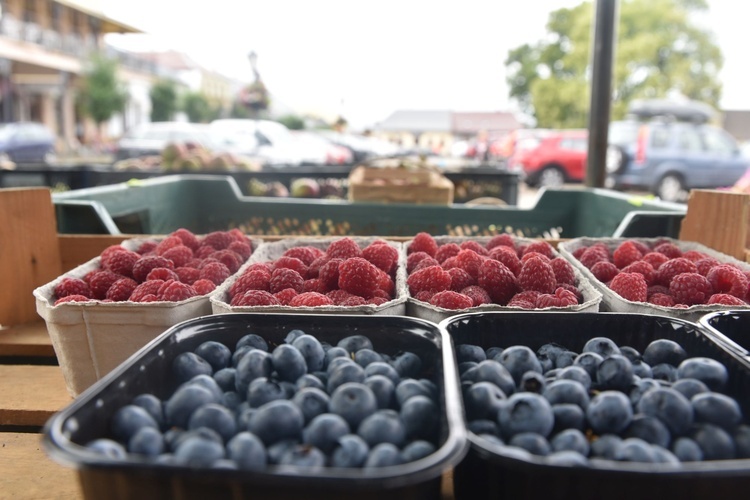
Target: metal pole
column 604, row 29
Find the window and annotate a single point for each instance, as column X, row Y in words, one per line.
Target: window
column 719, row 142
column 659, row 137
column 688, row 139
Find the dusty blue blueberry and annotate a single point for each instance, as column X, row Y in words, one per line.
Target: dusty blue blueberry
column 615, row 372
column 351, row 451
column 669, row 406
column 525, row 412
column 416, row 450
column 288, row 362
column 215, row 353
column 338, row 362
column 152, row 405
column 364, row 357
column 631, row 353
column 188, row 364
column 383, row 426
column 664, row 351
column 108, row 448
column 664, row 456
column 333, row 353
column 518, row 360
column 198, row 452
column 568, row 416
column 231, row 400
column 200, row 433
column 483, row 400
column 128, row 419
column 311, row 402
column 741, row 437
column 641, row 369
column 606, row 446
column 609, row 412
column 715, row 442
column 572, row 440
column 602, row 346
column 532, row 382
column 278, row 449
column 718, row 409
column 550, row 352
column 563, row 391
column 641, row 387
column 383, row 389
column 354, row 343
column 494, row 351
column 240, row 353
column 689, row 387
column 462, row 367
column 383, row 368
column 707, row 370
column 226, row 378
column 567, row 458
column 215, row 417
column 687, row 450
column 184, row 401
column 312, row 351
column 531, row 442
column 243, row 418
column 247, row 451
column 264, row 390
column 492, row 371
column 324, row 431
column 303, row 456
column 276, row 421
column 635, row 450
column 575, row 373
column 408, row 388
column 407, row 364
column 343, row 374
column 207, row 382
column 483, row 426
column 468, row 352
column 649, row 429
column 565, row 359
column 293, row 335
column 383, row 455
column 354, row 402
column 421, row 418
column 252, row 340
column 254, row 364
column 308, row 380
column 147, row 441
column 664, row 371
column 589, row 361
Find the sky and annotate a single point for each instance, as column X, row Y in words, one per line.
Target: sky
column 365, row 59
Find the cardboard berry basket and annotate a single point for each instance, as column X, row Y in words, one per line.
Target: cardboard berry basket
column 614, row 302
column 425, row 310
column 91, row 338
column 220, row 299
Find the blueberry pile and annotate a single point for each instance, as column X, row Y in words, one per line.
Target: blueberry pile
column 303, row 403
column 608, row 402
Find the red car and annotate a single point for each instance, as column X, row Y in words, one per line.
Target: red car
column 554, row 158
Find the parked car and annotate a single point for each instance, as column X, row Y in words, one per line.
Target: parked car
column 270, row 141
column 362, row 147
column 26, row 142
column 552, row 158
column 315, row 149
column 669, row 157
column 149, row 139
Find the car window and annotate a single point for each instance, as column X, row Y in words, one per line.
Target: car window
column 574, row 144
column 688, row 139
column 659, row 137
column 718, row 142
column 157, row 135
column 623, row 133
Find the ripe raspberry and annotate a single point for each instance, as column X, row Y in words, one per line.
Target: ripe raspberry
column 593, row 254
column 329, row 273
column 255, row 279
column 424, row 263
column 477, row 294
column 168, row 243
column 314, row 270
column 266, row 267
column 498, row 280
column 642, row 247
column 433, row 279
column 382, row 294
column 230, row 259
column 656, row 259
column 353, row 301
column 529, row 255
column 145, row 289
column 527, row 295
column 572, row 289
column 726, row 300
column 725, row 278
column 473, row 245
column 522, row 303
column 71, row 298
column 376, row 301
column 194, row 263
column 578, row 252
column 218, row 239
column 690, row 289
column 460, row 279
column 384, row 256
column 704, row 265
column 644, row 268
column 358, row 276
column 630, row 286
column 541, row 247
column 187, row 275
column 469, row 261
column 146, row 264
column 100, row 282
column 537, row 275
column 694, row 255
column 255, row 298
column 179, row 255
column 561, row 298
column 413, row 259
column 672, row 268
column 520, row 249
column 661, row 299
column 203, row 286
column 306, row 254
column 120, row 261
column 424, row 295
column 110, row 251
column 657, row 289
column 446, row 251
column 244, row 250
column 338, row 296
column 507, row 256
column 121, row 290
column 564, row 272
column 448, row 299
column 162, row 273
column 174, row 291
column 386, row 284
column 310, row 299
column 423, row 242
column 504, row 239
column 668, row 249
column 216, row 272
column 146, row 248
column 449, row 263
column 203, row 251
column 72, row 286
column 344, row 249
column 238, row 235
column 625, row 254
column 291, row 263
column 189, row 239
column 314, row 285
column 285, row 296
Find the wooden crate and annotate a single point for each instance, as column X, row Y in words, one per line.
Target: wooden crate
column 399, row 185
column 719, row 220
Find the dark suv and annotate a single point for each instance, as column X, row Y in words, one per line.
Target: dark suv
column 669, row 157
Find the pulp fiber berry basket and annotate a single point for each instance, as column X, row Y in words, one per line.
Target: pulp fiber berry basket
column 489, row 471
column 731, row 328
column 89, row 416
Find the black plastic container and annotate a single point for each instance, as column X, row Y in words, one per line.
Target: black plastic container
column 731, row 328
column 487, row 472
column 148, row 370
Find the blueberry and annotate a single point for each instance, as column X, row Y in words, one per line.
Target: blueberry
column 278, row 449
column 383, row 455
column 431, row 387
column 198, row 452
column 606, row 446
column 707, row 370
column 566, row 391
column 215, row 417
column 364, row 357
column 462, row 367
column 649, row 429
column 571, row 440
column 416, row 450
column 492, row 371
column 409, row 388
column 351, row 451
column 231, row 400
column 382, row 368
column 483, row 400
column 252, row 340
column 632, row 354
column 216, row 354
column 184, row 401
column 383, row 389
column 565, row 359
column 264, row 390
column 226, row 378
column 308, row 380
column 567, row 458
column 240, row 353
column 421, row 417
column 635, row 450
column 333, row 353
column 324, row 431
column 276, row 421
column 641, row 387
column 354, row 343
column 664, row 456
column 322, row 376
column 714, row 442
column 354, row 402
column 345, row 373
column 550, row 352
column 204, row 433
column 609, row 412
column 407, row 364
column 531, row 442
column 568, row 416
column 664, row 351
column 243, row 418
column 293, row 335
column 664, row 371
column 312, row 351
column 152, row 405
column 495, row 441
column 254, row 364
column 483, row 426
column 311, row 402
column 669, row 406
column 470, row 375
column 338, row 362
column 147, row 441
column 588, row 361
column 494, row 351
column 718, row 409
column 128, row 419
column 303, row 456
column 575, row 373
column 742, row 441
column 525, row 412
column 468, row 352
column 224, row 464
column 687, row 450
column 689, row 387
column 532, row 382
column 518, row 360
column 288, row 362
column 207, row 382
column 108, row 448
column 602, row 346
column 188, row 364
column 614, row 373
column 383, row 426
column 546, row 365
column 641, row 369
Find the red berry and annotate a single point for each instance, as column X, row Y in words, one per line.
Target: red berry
column 203, row 286
column 329, row 273
column 469, row 261
column 668, row 249
column 573, row 289
column 384, row 256
column 537, row 275
column 433, row 279
column 578, row 252
column 110, row 251
column 291, row 263
column 218, row 239
column 657, row 289
column 625, row 254
column 448, row 299
column 314, row 285
column 144, row 289
column 424, row 295
column 529, row 255
column 174, row 291
column 343, row 249
column 168, row 243
column 189, row 239
column 630, row 286
column 146, row 248
column 310, row 299
column 71, row 298
column 504, row 239
column 446, row 251
column 204, row 251
column 593, row 254
column 541, row 247
column 232, row 260
column 358, row 277
column 477, row 294
column 162, row 273
column 216, row 272
column 146, row 264
column 449, row 263
column 238, row 235
column 121, row 289
column 690, row 289
column 644, row 268
column 119, row 261
column 561, row 298
column 564, row 272
column 656, row 259
column 460, row 279
column 100, row 282
column 285, row 296
column 255, row 298
column 386, row 284
column 725, row 278
column 413, row 259
column 507, row 256
column 423, row 242
column 354, row 301
column 672, row 268
column 187, row 274
column 705, row 265
column 314, row 270
column 256, row 279
column 72, row 286
column 179, row 255
column 286, row 278
column 376, row 301
column 522, row 303
column 424, row 263
column 338, row 296
column 306, row 254
column 661, row 299
column 694, row 255
column 473, row 245
column 244, row 250
column 498, row 280
column 726, row 300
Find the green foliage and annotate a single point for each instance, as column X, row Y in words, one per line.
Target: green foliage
column 197, row 107
column 101, row 95
column 239, row 111
column 292, row 122
column 659, row 49
column 164, row 103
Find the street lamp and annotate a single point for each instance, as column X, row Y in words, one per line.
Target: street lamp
column 253, row 62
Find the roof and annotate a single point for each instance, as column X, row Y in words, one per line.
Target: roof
column 737, row 123
column 417, row 121
column 471, row 123
column 92, row 8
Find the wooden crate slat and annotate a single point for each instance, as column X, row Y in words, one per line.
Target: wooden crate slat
column 30, row 339
column 31, row 394
column 719, row 220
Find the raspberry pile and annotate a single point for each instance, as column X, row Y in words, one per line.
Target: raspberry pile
column 179, row 267
column 505, row 272
column 343, row 275
column 662, row 274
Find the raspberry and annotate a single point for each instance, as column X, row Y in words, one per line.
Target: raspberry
column 386, row 284
column 353, row 301
column 179, row 255
column 704, row 265
column 433, row 279
column 657, row 289
column 256, row 279
column 643, row 268
column 204, row 262
column 522, row 303
column 507, row 256
column 498, row 280
column 726, row 300
column 630, row 286
column 358, row 277
column 564, row 272
column 473, row 245
column 71, row 298
column 413, row 259
column 230, row 259
column 146, row 248
column 477, row 294
column 424, row 263
column 291, row 263
column 528, row 296
column 504, row 239
column 266, row 267
column 187, row 274
column 520, row 249
column 314, row 269
column 329, row 273
column 108, row 252
column 314, row 285
column 694, row 255
column 255, row 298
column 306, row 254
column 656, row 259
column 149, row 298
column 216, row 272
column 377, row 301
column 218, row 239
column 690, row 289
column 162, row 273
column 344, row 249
column 572, row 289
column 460, row 279
column 382, row 294
column 310, row 299
column 100, row 283
column 174, row 291
column 144, row 289
column 594, row 254
column 189, row 239
column 121, row 289
column 561, row 298
column 668, row 249
column 537, row 275
column 529, row 255
column 446, row 251
column 449, row 263
column 448, row 299
column 642, row 247
column 661, row 299
column 244, row 250
column 469, row 261
column 72, row 286
column 726, row 278
column 194, row 263
column 626, row 254
column 238, row 235
column 285, row 296
column 204, row 251
column 383, row 256
column 145, row 264
column 672, row 268
column 203, row 286
column 578, row 252
column 338, row 296
column 424, row 295
column 120, row 261
column 167, row 243
column 541, row 247
column 423, row 242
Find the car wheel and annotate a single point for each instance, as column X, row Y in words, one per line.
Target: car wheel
column 551, row 177
column 670, row 188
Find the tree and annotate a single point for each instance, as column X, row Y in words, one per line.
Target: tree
column 163, row 96
column 659, row 50
column 102, row 95
column 292, row 122
column 197, row 107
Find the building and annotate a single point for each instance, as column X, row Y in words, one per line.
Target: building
column 737, row 123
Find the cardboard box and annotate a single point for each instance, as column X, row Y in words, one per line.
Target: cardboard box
column 399, row 185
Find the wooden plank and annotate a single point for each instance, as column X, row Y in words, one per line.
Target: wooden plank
column 30, row 339
column 31, row 394
column 78, row 249
column 719, row 220
column 29, row 473
column 29, row 255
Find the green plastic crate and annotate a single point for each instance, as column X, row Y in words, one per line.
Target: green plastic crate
column 210, row 203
